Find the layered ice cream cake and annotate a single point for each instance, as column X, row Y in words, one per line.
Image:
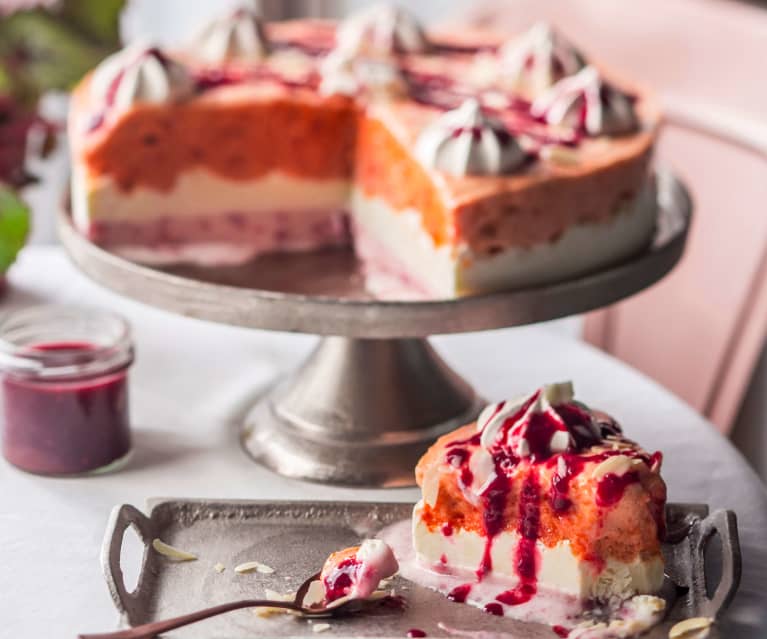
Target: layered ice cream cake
column 544, row 511
column 454, row 163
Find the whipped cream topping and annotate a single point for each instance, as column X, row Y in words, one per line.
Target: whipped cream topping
column 585, row 102
column 381, row 30
column 539, row 58
column 534, row 427
column 239, row 36
column 140, row 73
column 344, row 74
column 465, row 141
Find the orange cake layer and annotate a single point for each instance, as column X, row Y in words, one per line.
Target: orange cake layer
column 231, row 133
column 625, row 531
column 491, row 214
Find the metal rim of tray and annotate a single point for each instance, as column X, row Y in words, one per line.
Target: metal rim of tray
column 691, row 527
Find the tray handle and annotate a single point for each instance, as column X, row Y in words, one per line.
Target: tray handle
column 724, row 524
column 127, row 603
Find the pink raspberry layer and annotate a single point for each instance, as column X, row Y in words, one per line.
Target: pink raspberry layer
column 262, row 232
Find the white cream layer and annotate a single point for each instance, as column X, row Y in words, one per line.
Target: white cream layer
column 200, row 192
column 559, row 570
column 445, row 271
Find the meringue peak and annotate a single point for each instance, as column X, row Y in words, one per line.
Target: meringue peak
column 585, row 102
column 140, row 73
column 381, row 30
column 538, row 59
column 239, row 35
column 465, row 141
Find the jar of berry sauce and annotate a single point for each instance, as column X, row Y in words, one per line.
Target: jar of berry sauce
column 65, row 390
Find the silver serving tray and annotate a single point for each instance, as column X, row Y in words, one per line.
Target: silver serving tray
column 295, row 538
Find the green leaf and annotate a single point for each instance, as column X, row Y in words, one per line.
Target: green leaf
column 98, row 20
column 14, row 226
column 41, row 50
column 53, row 56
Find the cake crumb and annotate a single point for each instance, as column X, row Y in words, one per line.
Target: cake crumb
column 219, row 568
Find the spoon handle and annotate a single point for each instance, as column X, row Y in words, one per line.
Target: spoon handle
column 149, row 630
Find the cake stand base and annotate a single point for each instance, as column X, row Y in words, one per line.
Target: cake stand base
column 359, row 412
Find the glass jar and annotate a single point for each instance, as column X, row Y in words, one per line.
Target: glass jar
column 65, row 389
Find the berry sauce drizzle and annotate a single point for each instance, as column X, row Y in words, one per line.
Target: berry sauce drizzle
column 611, row 487
column 459, row 593
column 586, row 430
column 526, row 558
column 339, row 582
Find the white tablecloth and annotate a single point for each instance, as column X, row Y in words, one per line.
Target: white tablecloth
column 191, row 381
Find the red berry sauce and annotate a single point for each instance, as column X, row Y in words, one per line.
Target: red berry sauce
column 340, row 580
column 459, row 593
column 69, row 426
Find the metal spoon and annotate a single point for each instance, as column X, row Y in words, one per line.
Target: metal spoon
column 148, row 630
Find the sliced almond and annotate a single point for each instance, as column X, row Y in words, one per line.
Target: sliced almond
column 253, row 566
column 315, row 594
column 320, row 627
column 172, row 552
column 686, row 628
column 617, row 465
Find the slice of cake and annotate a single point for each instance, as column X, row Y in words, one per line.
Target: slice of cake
column 543, row 510
column 356, row 572
column 454, row 164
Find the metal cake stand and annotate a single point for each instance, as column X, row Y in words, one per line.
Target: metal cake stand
column 374, row 394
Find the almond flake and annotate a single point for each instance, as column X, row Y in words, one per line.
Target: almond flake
column 315, row 594
column 616, row 465
column 697, row 625
column 253, row 566
column 171, row 552
column 320, row 627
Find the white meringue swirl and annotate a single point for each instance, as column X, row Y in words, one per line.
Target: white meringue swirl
column 140, row 73
column 538, row 59
column 381, row 30
column 239, row 36
column 585, row 102
column 465, row 141
column 515, row 437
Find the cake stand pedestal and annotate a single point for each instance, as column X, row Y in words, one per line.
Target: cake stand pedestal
column 374, row 394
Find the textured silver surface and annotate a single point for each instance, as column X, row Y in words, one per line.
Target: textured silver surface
column 359, row 412
column 295, row 538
